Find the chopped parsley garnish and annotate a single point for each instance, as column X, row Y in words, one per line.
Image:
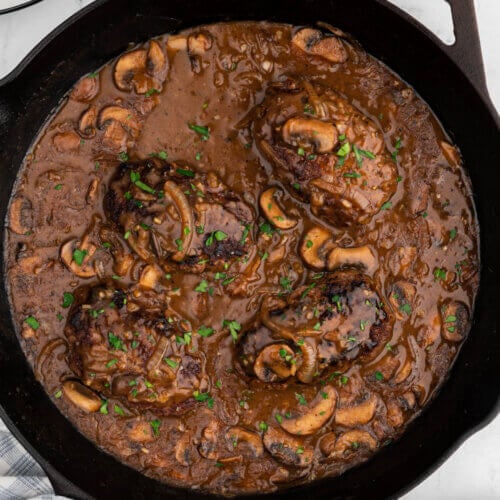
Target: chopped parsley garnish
column 352, row 175
column 32, row 321
column 135, row 178
column 309, row 109
column 205, row 331
column 204, row 397
column 299, row 450
column 152, row 91
column 301, row 152
column 104, row 408
column 116, row 342
column 123, row 156
column 405, row 308
column 79, row 255
column 379, row 376
column 170, row 362
column 266, row 228
column 285, row 283
column 202, row 286
column 307, row 290
column 301, row 399
column 309, row 244
column 119, row 411
column 263, row 426
column 245, row 234
column 439, row 274
column 344, row 150
column 397, row 147
column 201, row 130
column 127, row 235
column 111, row 362
column 155, row 425
column 58, row 187
column 184, row 171
column 386, row 206
column 68, row 299
column 58, row 394
column 453, row 234
column 234, row 328
column 217, row 235
column 278, row 418
column 200, row 229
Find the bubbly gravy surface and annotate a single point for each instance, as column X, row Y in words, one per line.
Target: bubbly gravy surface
column 242, row 257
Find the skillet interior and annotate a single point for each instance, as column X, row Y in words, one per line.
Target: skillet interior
column 466, row 399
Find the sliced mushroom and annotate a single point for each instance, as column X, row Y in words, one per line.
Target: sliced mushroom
column 309, row 365
column 247, row 442
column 313, row 247
column 208, row 444
column 156, row 61
column 318, row 414
column 150, row 276
column 401, row 298
column 185, row 452
column 87, row 123
column 454, row 320
column 82, row 396
column 126, row 68
column 310, row 133
column 123, row 116
column 315, row 42
column 361, row 257
column 86, row 269
column 86, row 89
column 273, row 363
column 273, row 211
column 287, row 449
column 177, row 42
column 199, row 43
column 66, row 142
column 357, row 415
column 140, row 431
column 21, row 215
column 349, row 441
column 450, row 153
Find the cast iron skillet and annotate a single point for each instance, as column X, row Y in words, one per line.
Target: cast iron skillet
column 450, row 79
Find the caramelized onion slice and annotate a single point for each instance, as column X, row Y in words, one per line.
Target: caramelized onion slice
column 187, row 218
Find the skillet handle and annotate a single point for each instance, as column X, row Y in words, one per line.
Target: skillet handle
column 466, row 51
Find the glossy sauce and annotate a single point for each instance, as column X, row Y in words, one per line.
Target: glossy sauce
column 239, row 348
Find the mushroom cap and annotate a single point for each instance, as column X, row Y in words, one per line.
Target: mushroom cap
column 273, row 363
column 81, row 396
column 318, row 413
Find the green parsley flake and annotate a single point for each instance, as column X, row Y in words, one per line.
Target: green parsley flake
column 32, row 321
column 68, row 299
column 205, row 331
column 79, row 255
column 155, row 425
column 201, row 130
column 234, row 328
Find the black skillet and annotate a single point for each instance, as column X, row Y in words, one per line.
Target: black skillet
column 450, row 79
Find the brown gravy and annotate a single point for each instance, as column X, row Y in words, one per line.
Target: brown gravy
column 242, row 257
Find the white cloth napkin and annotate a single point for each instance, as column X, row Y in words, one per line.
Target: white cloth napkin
column 20, row 476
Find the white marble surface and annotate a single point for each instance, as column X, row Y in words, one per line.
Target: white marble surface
column 474, row 470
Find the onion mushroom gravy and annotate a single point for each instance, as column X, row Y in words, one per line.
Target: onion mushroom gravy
column 243, row 256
